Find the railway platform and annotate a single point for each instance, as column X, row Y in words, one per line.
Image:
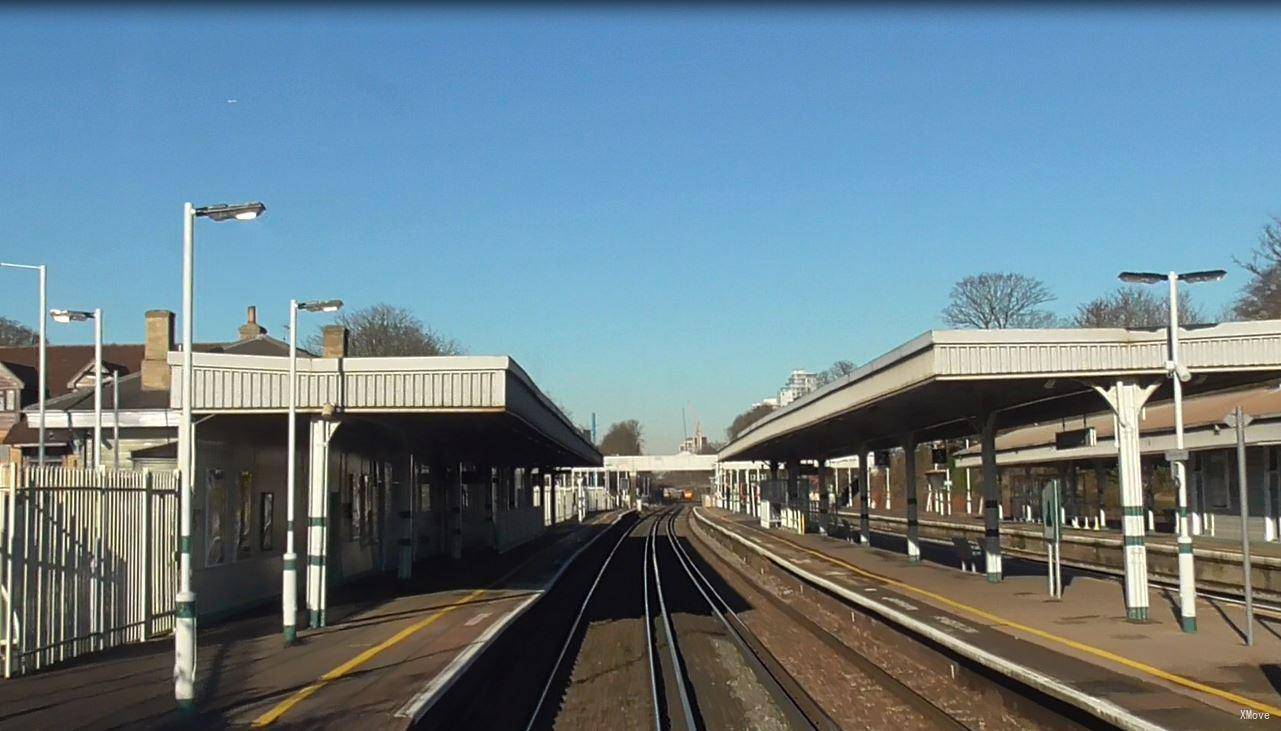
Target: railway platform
column 1078, row 649
column 390, row 648
column 1218, row 560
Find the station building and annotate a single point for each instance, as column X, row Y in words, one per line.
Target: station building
column 398, row 460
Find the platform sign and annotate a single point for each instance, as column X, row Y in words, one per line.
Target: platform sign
column 1052, row 519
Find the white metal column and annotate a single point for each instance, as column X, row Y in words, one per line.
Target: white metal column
column 991, row 499
column 1126, row 399
column 321, row 433
column 909, row 489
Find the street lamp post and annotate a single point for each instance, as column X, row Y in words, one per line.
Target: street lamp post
column 1178, row 374
column 289, row 588
column 115, row 419
column 184, row 675
column 44, row 347
column 68, row 316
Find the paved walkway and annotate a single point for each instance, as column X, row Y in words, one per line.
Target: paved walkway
column 387, row 646
column 1202, row 680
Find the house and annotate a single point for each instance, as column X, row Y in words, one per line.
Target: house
column 135, row 395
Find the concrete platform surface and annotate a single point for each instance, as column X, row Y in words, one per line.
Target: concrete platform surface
column 387, row 644
column 1172, row 679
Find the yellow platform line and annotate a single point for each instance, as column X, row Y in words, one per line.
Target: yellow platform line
column 1082, row 647
column 303, row 694
column 274, row 714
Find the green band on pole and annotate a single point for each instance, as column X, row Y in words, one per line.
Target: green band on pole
column 185, row 610
column 289, row 525
column 291, row 564
column 1185, row 547
column 994, row 577
column 1132, row 511
column 1137, row 614
column 184, row 544
column 316, row 522
column 315, row 560
column 1189, row 624
column 1134, row 541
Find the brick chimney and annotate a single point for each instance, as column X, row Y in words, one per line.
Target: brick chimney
column 251, row 329
column 155, row 352
column 335, row 341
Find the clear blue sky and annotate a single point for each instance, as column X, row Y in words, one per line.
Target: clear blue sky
column 646, row 207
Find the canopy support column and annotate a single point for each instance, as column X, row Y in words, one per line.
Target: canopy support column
column 322, row 433
column 991, row 499
column 909, row 489
column 864, row 491
column 1126, row 399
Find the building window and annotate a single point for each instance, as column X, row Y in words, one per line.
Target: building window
column 244, row 514
column 424, row 489
column 348, row 511
column 266, row 521
column 1217, row 479
column 215, row 517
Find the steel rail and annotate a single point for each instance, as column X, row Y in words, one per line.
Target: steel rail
column 573, row 630
column 679, row 675
column 936, row 715
column 650, row 651
column 737, row 631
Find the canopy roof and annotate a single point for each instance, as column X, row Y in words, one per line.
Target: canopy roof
column 478, row 403
column 935, row 386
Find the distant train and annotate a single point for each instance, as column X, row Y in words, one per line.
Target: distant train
column 669, row 494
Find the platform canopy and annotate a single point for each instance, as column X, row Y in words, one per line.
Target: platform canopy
column 939, row 384
column 482, row 407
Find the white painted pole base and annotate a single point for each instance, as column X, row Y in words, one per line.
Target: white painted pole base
column 289, row 598
column 1187, row 586
column 184, row 655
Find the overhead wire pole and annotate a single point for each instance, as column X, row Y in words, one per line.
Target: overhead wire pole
column 1178, row 374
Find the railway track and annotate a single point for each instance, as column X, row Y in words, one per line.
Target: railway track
column 656, row 629
column 679, row 669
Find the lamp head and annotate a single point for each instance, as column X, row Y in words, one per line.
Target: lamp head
column 324, row 306
column 232, row 212
column 1210, row 275
column 1142, row 277
column 66, row 316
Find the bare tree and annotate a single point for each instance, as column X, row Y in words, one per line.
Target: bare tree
column 999, row 300
column 1260, row 298
column 623, row 437
column 387, row 330
column 13, row 332
column 839, row 369
column 746, row 419
column 1134, row 307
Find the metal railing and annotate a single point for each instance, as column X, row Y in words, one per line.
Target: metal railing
column 88, row 561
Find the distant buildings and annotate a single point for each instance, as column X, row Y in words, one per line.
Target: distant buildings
column 696, row 444
column 798, row 384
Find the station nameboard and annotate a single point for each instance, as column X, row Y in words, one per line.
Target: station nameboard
column 1074, row 438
